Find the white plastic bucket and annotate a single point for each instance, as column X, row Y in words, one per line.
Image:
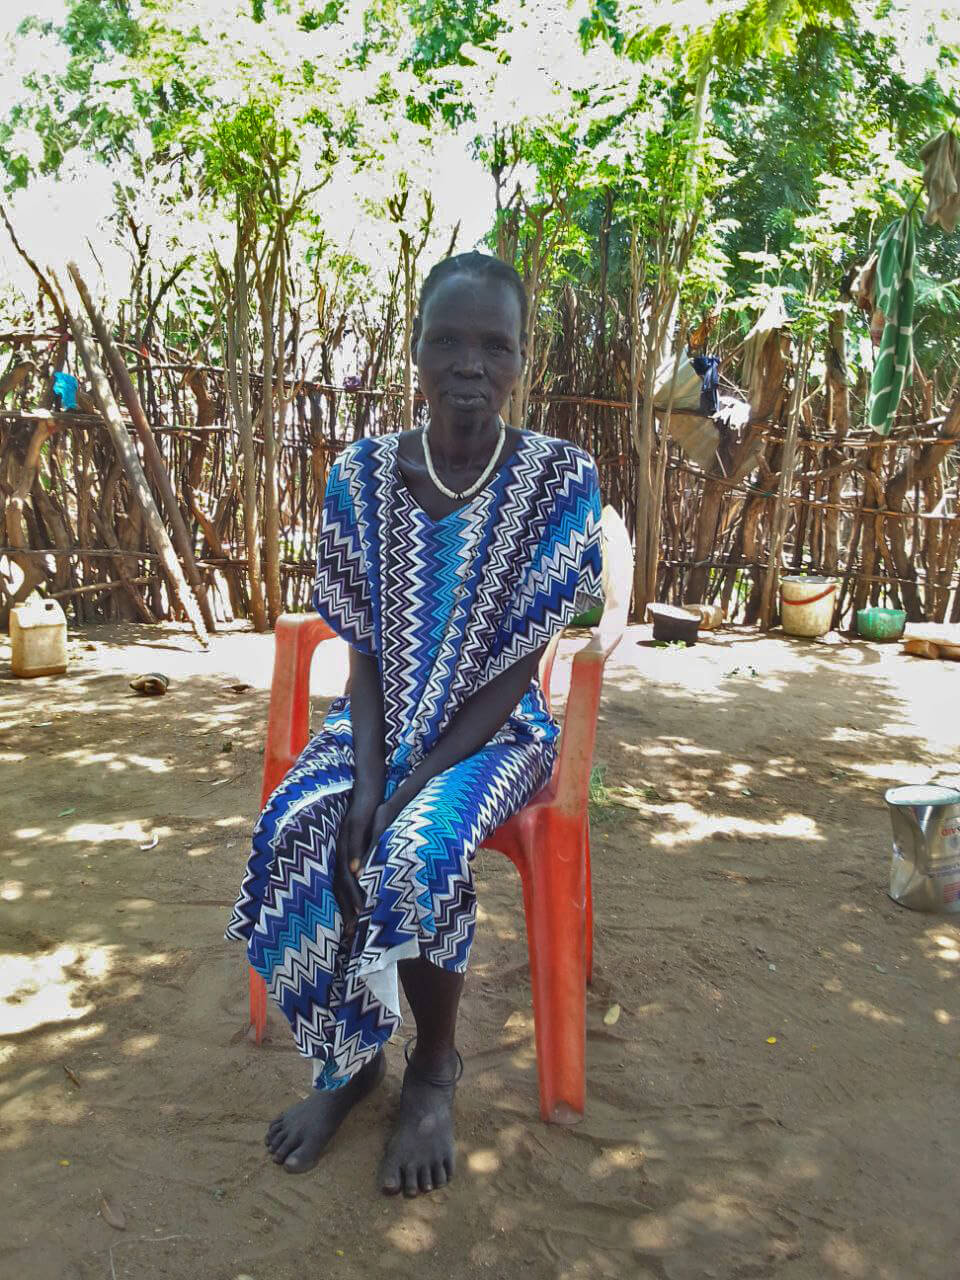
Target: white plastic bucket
column 806, row 605
column 38, row 639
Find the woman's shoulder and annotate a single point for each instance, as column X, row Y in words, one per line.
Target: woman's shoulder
column 560, row 453
column 365, row 450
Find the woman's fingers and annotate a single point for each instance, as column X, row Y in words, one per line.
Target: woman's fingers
column 347, row 892
column 359, row 833
column 354, row 896
column 355, row 835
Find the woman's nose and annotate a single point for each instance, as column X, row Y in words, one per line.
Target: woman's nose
column 469, row 362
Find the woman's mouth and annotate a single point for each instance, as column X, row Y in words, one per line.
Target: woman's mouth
column 465, row 399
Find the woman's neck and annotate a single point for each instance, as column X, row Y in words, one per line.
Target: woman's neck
column 462, row 444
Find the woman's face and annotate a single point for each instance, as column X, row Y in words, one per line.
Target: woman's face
column 468, row 349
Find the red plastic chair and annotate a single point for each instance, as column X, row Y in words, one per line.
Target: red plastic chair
column 548, row 841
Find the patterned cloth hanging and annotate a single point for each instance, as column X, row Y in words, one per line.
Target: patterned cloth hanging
column 896, row 249
column 445, row 606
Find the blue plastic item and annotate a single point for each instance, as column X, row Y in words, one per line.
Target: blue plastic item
column 65, row 388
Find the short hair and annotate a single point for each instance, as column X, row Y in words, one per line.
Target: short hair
column 482, row 265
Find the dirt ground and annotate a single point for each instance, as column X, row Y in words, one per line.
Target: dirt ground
column 741, row 849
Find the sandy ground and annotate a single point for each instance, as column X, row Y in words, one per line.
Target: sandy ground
column 740, row 861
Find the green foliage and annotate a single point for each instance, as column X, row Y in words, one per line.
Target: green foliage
column 57, row 105
column 585, row 119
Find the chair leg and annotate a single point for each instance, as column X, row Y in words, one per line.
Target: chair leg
column 554, row 901
column 258, row 1005
column 588, row 925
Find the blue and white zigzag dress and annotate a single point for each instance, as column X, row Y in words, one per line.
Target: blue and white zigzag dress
column 445, row 606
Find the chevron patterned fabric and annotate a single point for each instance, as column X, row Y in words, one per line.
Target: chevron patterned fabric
column 445, row 606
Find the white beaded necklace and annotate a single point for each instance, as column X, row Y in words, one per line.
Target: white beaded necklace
column 481, row 479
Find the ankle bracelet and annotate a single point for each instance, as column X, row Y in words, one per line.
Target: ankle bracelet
column 424, row 1076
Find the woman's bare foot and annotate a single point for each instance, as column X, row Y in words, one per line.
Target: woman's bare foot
column 420, row 1155
column 297, row 1138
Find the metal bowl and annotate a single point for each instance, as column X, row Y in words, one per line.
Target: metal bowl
column 671, row 624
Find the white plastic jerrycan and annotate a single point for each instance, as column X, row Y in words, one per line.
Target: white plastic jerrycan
column 38, row 635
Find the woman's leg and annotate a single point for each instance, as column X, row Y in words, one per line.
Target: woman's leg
column 434, row 839
column 420, row 1154
column 288, row 916
column 298, row 1136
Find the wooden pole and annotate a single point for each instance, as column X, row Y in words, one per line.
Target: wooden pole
column 781, row 509
column 16, row 530
column 151, row 451
column 140, row 490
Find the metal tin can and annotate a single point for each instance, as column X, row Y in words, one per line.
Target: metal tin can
column 925, row 870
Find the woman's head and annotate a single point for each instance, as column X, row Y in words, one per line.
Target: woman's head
column 468, row 336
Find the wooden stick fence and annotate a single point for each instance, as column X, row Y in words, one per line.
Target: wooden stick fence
column 84, row 530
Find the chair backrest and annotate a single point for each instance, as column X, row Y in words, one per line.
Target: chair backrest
column 618, row 558
column 618, row 586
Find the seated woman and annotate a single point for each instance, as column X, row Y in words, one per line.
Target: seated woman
column 448, row 558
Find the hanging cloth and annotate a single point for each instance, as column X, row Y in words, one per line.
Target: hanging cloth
column 895, row 295
column 709, row 369
column 770, row 322
column 941, row 177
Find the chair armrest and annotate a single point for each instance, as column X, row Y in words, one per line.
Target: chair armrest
column 579, row 731
column 288, row 724
column 586, row 678
column 545, row 672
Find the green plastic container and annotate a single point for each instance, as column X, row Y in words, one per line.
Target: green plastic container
column 589, row 619
column 881, row 624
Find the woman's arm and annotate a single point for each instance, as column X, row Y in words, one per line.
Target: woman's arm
column 366, row 716
column 480, row 717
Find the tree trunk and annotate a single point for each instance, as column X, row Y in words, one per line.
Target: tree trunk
column 640, row 428
column 271, row 508
column 407, row 331
column 238, row 338
column 838, row 418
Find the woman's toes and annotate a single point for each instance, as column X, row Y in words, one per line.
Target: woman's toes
column 439, row 1175
column 283, row 1149
column 390, row 1184
column 426, row 1179
column 295, row 1162
column 411, row 1183
column 275, row 1135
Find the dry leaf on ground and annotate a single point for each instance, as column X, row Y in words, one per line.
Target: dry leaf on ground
column 112, row 1214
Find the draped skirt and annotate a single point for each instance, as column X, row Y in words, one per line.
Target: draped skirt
column 340, row 993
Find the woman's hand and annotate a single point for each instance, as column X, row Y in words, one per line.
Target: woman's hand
column 363, row 826
column 366, row 717
column 353, row 843
column 385, row 814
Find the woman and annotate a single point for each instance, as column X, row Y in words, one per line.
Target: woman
column 448, row 558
